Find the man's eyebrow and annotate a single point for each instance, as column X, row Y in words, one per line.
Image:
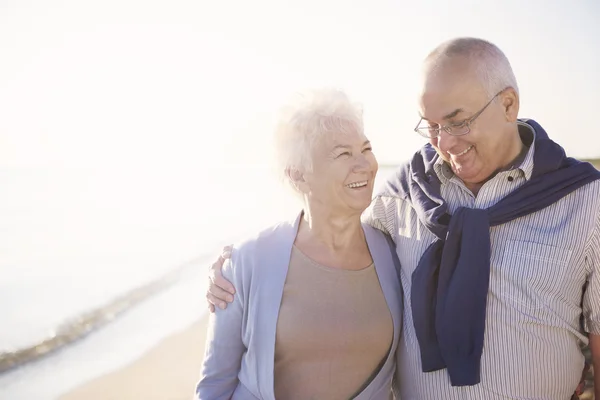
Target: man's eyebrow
column 447, row 116
column 453, row 113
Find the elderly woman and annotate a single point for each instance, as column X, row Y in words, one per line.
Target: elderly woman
column 317, row 313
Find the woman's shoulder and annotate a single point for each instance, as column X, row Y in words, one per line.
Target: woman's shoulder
column 264, row 246
column 262, row 240
column 380, row 243
column 258, row 257
column 374, row 233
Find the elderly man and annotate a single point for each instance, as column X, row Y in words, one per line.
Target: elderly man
column 498, row 235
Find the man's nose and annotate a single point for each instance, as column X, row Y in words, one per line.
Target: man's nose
column 445, row 141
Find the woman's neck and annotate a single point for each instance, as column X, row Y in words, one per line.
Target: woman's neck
column 335, row 231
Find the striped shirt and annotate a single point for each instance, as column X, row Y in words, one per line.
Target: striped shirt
column 540, row 265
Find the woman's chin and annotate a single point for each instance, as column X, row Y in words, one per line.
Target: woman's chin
column 360, row 205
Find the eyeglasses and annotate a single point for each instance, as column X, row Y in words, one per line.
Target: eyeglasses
column 424, row 129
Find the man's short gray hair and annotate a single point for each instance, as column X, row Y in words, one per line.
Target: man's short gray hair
column 491, row 64
column 311, row 116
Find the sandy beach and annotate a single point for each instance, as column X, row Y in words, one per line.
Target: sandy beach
column 168, row 371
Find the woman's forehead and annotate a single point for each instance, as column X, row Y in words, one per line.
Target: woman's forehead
column 350, row 137
column 333, row 140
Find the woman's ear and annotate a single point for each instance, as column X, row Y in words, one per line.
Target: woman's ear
column 297, row 180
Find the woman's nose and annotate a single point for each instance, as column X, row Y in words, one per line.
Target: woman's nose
column 361, row 163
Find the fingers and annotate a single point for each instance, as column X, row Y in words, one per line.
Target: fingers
column 217, row 279
column 220, row 290
column 215, row 302
column 223, row 285
column 226, row 252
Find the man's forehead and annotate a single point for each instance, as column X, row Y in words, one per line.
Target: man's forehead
column 451, row 66
column 447, row 98
column 439, row 104
column 449, row 73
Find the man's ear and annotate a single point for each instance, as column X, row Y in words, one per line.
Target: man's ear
column 510, row 104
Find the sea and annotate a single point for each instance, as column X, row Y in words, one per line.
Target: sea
column 98, row 265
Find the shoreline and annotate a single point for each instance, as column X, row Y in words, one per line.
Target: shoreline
column 90, row 321
column 168, row 371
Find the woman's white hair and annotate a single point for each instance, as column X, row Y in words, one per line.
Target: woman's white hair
column 490, row 63
column 311, row 116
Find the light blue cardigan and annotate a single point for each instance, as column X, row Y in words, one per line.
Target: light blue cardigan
column 240, row 349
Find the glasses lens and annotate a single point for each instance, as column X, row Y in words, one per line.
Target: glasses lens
column 458, row 130
column 428, row 131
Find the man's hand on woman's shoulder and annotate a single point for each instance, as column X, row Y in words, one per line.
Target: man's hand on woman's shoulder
column 220, row 291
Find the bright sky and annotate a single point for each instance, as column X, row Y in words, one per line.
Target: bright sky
column 193, row 83
column 124, row 118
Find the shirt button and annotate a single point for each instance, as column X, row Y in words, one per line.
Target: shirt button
column 510, row 178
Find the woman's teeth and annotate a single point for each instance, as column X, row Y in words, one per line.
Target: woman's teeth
column 357, row 184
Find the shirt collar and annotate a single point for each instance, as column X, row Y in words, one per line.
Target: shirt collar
column 527, row 134
column 524, row 164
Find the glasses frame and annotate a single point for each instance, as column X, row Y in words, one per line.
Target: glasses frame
column 448, row 128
